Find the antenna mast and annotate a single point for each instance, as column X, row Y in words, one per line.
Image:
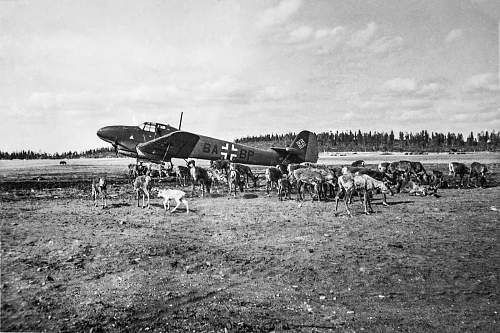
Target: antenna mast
column 180, row 121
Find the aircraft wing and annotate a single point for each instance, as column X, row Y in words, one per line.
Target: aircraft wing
column 177, row 144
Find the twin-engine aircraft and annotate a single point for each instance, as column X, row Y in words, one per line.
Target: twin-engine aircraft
column 160, row 143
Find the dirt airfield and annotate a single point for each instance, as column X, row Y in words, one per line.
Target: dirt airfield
column 244, row 264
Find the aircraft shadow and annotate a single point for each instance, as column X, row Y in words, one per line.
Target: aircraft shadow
column 392, row 203
column 181, row 208
column 159, row 205
column 249, row 196
column 120, row 204
column 238, row 195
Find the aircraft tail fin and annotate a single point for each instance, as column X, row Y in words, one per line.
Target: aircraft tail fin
column 306, row 146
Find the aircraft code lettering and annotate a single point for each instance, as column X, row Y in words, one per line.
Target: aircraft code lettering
column 228, row 151
column 206, row 147
column 243, row 154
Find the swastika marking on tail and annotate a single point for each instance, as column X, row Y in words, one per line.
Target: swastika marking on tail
column 301, row 143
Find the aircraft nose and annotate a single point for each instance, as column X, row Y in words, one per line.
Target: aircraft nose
column 107, row 133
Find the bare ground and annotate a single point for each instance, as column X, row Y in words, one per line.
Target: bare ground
column 247, row 264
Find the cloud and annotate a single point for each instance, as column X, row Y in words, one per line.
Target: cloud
column 432, row 89
column 362, row 37
column 362, row 42
column 150, row 94
column 416, row 104
column 326, row 40
column 279, row 14
column 400, row 85
column 482, row 83
column 415, row 116
column 411, row 88
column 272, row 93
column 217, row 92
column 376, row 112
column 404, row 99
column 386, row 44
column 326, row 32
column 429, row 103
column 300, row 34
column 454, row 35
column 384, row 103
column 50, row 101
column 374, row 105
column 226, row 89
column 484, row 115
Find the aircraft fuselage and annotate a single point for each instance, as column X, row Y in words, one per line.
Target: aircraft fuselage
column 159, row 143
column 207, row 148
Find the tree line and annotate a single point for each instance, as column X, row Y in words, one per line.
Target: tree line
column 31, row 155
column 382, row 141
column 327, row 141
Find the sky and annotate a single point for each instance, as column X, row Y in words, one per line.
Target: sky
column 238, row 68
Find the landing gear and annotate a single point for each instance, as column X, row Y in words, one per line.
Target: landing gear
column 167, row 168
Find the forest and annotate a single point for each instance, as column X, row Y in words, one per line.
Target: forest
column 383, row 141
column 31, row 155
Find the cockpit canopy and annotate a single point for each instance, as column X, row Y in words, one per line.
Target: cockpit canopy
column 157, row 128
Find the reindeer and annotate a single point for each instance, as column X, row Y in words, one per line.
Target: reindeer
column 436, row 179
column 478, row 171
column 416, row 189
column 199, row 175
column 217, row 178
column 99, row 190
column 387, row 179
column 272, row 175
column 291, row 168
column 181, row 174
column 221, row 165
column 283, row 168
column 406, row 170
column 235, row 179
column 460, row 169
column 358, row 163
column 141, row 169
column 132, row 172
column 309, row 177
column 284, row 187
column 364, row 184
column 417, row 169
column 246, row 172
column 329, row 182
column 178, row 195
column 142, row 184
column 383, row 166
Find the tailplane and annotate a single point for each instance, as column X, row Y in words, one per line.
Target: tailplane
column 304, row 148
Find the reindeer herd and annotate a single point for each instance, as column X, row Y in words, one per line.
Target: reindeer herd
column 321, row 182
